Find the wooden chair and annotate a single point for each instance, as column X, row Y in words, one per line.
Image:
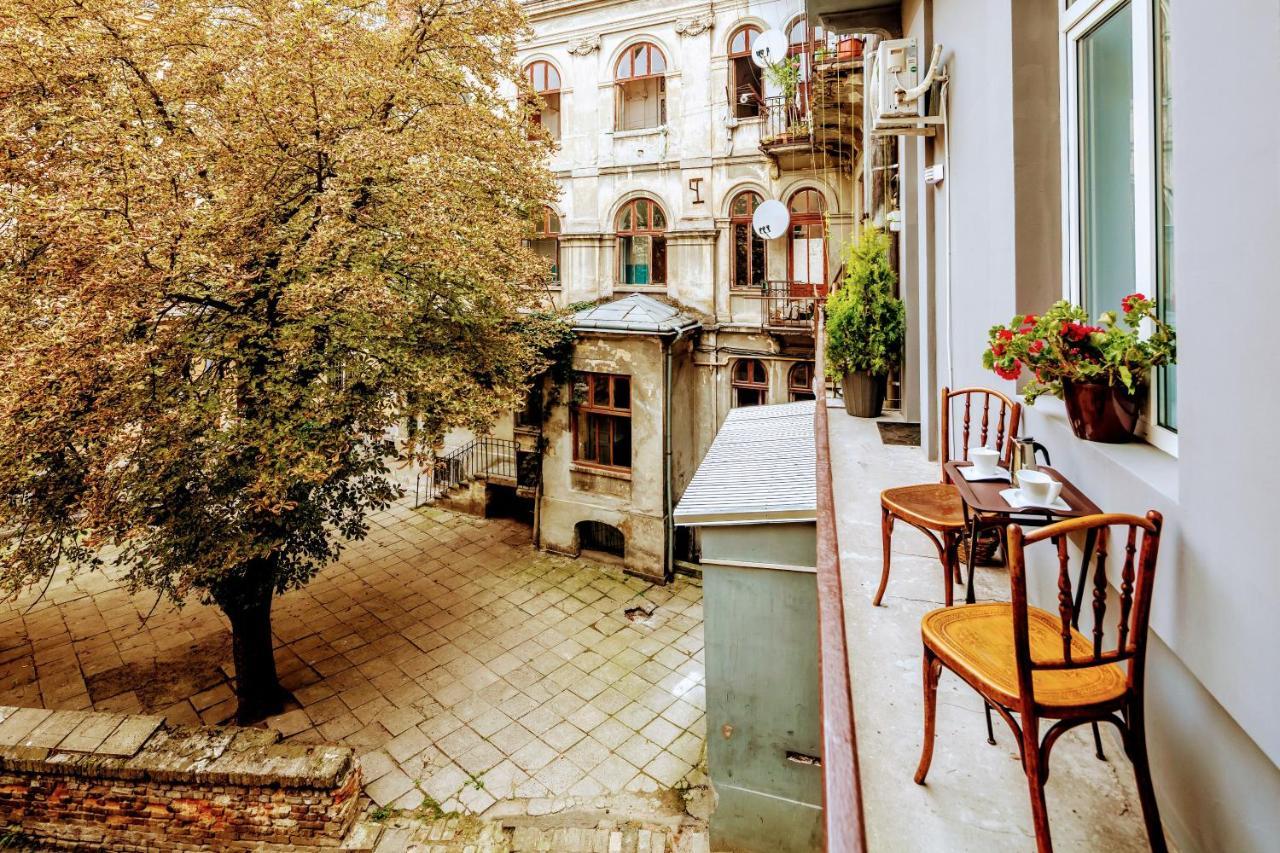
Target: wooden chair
column 936, row 508
column 1030, row 662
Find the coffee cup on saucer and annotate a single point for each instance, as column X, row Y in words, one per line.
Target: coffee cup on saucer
column 1038, row 487
column 985, row 461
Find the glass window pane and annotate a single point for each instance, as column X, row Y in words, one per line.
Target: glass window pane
column 659, row 219
column 1165, row 292
column 640, row 60
column 636, row 257
column 642, row 215
column 657, row 63
column 553, row 78
column 624, row 66
column 621, row 450
column 741, row 255
column 600, row 391
column 659, row 260
column 621, row 392
column 1108, row 253
column 624, row 224
column 757, row 260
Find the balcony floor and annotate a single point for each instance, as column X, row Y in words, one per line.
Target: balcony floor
column 976, row 795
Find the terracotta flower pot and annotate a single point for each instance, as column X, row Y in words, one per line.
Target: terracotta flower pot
column 1100, row 412
column 864, row 394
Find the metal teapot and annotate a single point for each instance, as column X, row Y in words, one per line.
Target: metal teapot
column 1022, row 456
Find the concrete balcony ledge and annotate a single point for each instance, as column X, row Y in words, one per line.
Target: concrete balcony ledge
column 976, row 794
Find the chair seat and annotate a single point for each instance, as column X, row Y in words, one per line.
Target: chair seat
column 936, row 506
column 976, row 642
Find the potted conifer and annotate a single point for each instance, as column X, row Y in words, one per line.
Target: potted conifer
column 866, row 324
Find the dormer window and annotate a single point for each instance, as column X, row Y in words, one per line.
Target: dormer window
column 640, row 88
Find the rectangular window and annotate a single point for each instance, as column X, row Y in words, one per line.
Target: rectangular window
column 644, row 259
column 1108, row 242
column 748, row 87
column 1118, row 188
column 602, row 420
column 1167, row 382
column 748, row 257
column 549, row 248
column 642, row 103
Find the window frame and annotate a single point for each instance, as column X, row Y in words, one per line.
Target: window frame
column 655, row 235
column 543, row 231
column 751, row 32
column 737, row 220
column 587, row 406
column 1076, row 22
column 804, row 388
column 807, row 218
column 759, row 385
column 620, row 81
column 536, row 117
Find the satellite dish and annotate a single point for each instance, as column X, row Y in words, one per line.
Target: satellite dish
column 771, row 219
column 769, row 48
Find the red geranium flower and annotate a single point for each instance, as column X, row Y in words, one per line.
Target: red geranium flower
column 997, row 350
column 1009, row 372
column 1005, row 335
column 1127, row 302
column 1036, row 347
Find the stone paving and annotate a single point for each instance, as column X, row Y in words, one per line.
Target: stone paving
column 464, row 666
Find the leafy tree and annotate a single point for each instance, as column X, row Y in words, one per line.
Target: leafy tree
column 866, row 323
column 238, row 243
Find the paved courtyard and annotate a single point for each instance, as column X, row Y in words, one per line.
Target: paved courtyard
column 463, row 666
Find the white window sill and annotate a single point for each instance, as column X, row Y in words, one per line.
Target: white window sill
column 609, row 473
column 1047, row 422
column 644, row 131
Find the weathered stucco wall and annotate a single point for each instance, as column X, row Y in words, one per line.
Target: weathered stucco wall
column 93, row 781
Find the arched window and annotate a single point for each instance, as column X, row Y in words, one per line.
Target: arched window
column 544, row 79
column 546, row 241
column 750, row 383
column 640, row 88
column 748, row 247
column 807, row 245
column 746, row 86
column 642, row 243
column 800, row 381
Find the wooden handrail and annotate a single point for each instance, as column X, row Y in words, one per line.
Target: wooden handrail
column 841, row 788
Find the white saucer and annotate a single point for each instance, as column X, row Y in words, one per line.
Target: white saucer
column 1015, row 499
column 971, row 474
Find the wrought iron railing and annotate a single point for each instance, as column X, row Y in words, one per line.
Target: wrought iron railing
column 785, row 120
column 791, row 304
column 483, row 458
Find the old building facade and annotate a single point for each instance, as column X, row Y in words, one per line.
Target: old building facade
column 668, row 137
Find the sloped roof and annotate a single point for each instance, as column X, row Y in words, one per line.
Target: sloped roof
column 760, row 468
column 637, row 314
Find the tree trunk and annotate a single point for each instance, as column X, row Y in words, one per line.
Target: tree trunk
column 246, row 598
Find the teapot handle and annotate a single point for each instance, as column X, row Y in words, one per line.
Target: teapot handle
column 1040, row 448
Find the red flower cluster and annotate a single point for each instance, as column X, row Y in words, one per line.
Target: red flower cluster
column 1078, row 331
column 1009, row 373
column 1128, row 302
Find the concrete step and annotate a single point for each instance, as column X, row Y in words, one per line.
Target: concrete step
column 476, row 835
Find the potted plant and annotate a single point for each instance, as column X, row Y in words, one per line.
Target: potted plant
column 866, row 324
column 1100, row 371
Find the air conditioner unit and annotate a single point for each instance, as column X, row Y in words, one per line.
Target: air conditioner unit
column 895, row 93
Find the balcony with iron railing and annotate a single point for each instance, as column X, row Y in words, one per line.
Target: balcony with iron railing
column 817, row 126
column 786, row 307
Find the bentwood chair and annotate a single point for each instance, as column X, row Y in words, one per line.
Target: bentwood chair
column 935, row 509
column 1031, row 662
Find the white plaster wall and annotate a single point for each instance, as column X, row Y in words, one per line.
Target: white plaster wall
column 1212, row 698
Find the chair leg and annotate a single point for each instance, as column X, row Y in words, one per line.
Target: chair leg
column 1032, row 759
column 886, row 542
column 1097, row 743
column 948, row 568
column 991, row 732
column 1136, row 746
column 932, row 671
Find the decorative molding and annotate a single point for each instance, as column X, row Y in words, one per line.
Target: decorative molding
column 695, row 26
column 585, row 46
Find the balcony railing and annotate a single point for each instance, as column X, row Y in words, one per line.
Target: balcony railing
column 785, row 120
column 841, row 787
column 484, row 458
column 790, row 305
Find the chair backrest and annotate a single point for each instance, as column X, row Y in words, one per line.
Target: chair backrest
column 1008, row 416
column 1137, row 577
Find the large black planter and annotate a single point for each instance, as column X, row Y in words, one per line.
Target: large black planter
column 864, row 394
column 1100, row 412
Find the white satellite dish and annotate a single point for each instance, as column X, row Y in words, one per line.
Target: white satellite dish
column 769, row 48
column 771, row 219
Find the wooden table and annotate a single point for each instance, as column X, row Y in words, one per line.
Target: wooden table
column 984, row 509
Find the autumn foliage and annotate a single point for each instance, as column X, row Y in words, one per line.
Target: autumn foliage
column 238, row 243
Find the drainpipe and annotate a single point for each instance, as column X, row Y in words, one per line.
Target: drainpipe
column 668, row 523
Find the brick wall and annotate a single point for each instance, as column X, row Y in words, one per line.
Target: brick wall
column 88, row 781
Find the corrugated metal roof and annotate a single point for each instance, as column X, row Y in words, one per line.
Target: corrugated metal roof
column 760, row 468
column 636, row 313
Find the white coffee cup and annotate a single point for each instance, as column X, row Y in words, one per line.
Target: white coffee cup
column 1038, row 487
column 984, row 459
